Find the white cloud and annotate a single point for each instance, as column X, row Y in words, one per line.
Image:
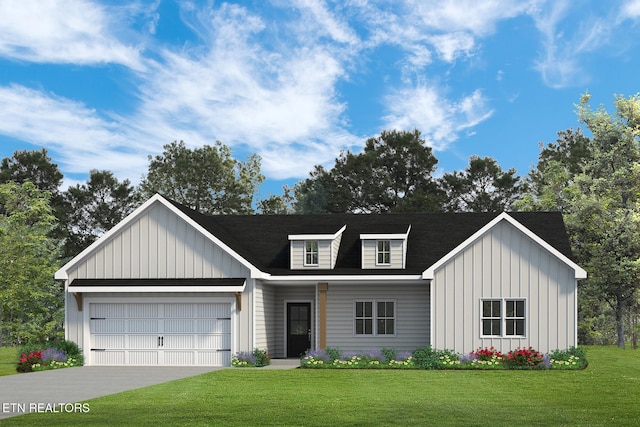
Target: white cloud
column 631, row 9
column 451, row 46
column 236, row 91
column 440, row 120
column 80, row 138
column 69, row 31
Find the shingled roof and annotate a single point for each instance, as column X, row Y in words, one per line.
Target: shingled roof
column 263, row 239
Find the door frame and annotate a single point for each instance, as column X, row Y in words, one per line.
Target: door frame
column 286, row 321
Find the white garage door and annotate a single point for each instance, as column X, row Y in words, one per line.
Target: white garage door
column 155, row 334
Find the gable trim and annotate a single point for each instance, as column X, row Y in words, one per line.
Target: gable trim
column 429, row 273
column 61, row 274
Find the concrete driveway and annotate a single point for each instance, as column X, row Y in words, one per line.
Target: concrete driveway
column 32, row 392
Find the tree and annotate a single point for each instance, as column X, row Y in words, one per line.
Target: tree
column 37, row 167
column 95, row 208
column 33, row 166
column 595, row 183
column 549, row 184
column 277, row 205
column 30, row 301
column 206, row 179
column 482, row 187
column 392, row 174
column 605, row 211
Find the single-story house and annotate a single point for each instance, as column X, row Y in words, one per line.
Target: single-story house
column 171, row 286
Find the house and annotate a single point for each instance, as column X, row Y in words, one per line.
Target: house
column 171, row 286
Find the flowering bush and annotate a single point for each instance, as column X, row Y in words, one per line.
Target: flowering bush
column 27, row 360
column 487, row 354
column 524, row 358
column 256, row 358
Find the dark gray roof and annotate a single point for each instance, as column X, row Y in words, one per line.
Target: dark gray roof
column 263, row 239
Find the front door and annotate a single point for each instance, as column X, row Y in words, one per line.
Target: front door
column 298, row 328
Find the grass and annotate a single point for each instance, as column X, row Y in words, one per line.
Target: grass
column 604, row 394
column 8, row 360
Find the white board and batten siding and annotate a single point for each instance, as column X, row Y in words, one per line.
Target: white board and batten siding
column 412, row 306
column 504, row 263
column 157, row 244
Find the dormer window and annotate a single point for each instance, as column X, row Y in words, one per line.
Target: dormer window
column 383, row 252
column 385, row 247
column 311, row 253
column 317, row 249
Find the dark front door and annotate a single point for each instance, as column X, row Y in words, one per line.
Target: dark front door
column 298, row 328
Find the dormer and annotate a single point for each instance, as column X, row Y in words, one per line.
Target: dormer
column 316, row 250
column 385, row 248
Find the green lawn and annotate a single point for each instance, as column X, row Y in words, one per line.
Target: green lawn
column 606, row 393
column 8, row 360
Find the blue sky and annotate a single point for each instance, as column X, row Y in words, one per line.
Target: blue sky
column 104, row 84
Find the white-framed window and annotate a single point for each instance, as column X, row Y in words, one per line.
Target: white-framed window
column 514, row 317
column 383, row 252
column 503, row 317
column 363, row 317
column 374, row 318
column 311, row 252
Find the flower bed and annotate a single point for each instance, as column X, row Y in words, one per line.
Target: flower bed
column 63, row 354
column 428, row 358
column 251, row 359
column 375, row 359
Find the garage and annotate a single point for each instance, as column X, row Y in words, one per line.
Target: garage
column 160, row 334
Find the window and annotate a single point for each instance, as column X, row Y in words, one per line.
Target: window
column 364, row 318
column 383, row 252
column 514, row 317
column 311, row 252
column 503, row 317
column 379, row 313
column 491, row 317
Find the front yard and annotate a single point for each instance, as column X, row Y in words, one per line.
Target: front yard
column 606, row 393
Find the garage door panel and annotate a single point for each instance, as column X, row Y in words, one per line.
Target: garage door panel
column 144, row 325
column 178, row 341
column 179, row 334
column 143, row 358
column 107, row 310
column 144, row 342
column 179, row 358
column 179, row 325
column 222, row 342
column 214, row 358
column 108, row 325
column 143, row 310
column 213, row 326
column 179, row 310
column 108, row 341
column 109, row 357
column 215, row 311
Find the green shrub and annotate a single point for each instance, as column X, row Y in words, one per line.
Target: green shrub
column 71, row 349
column 334, row 353
column 572, row 358
column 262, row 357
column 389, row 354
